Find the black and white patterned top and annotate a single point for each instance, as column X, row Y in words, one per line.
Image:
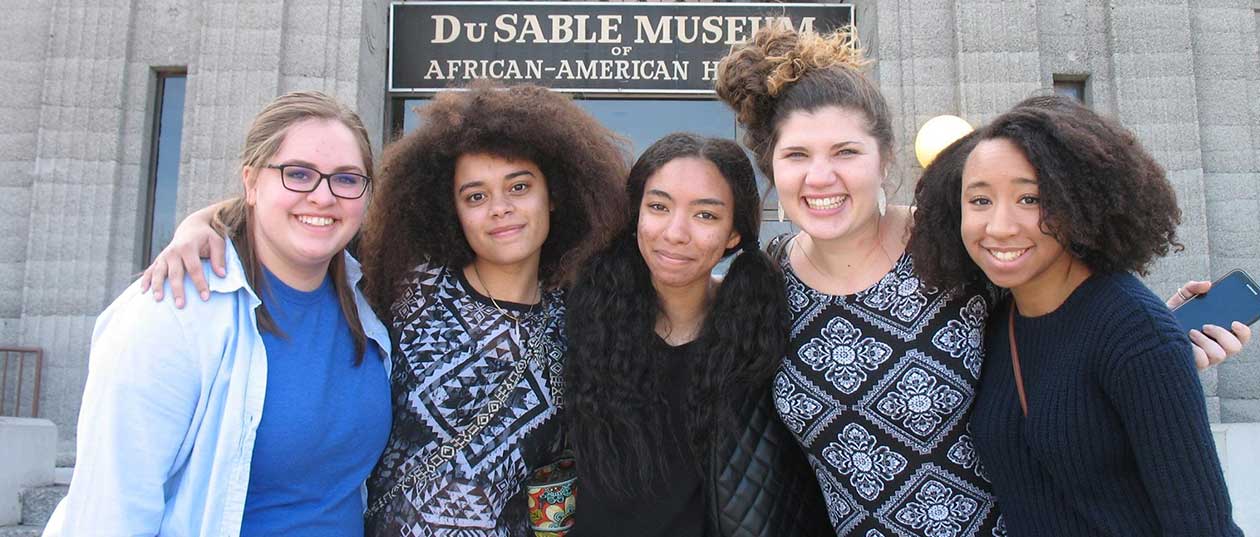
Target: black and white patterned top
column 454, row 348
column 877, row 386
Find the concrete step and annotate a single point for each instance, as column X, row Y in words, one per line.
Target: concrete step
column 65, row 453
column 62, row 475
column 21, row 531
column 38, row 503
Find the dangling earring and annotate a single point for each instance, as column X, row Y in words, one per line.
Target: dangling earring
column 780, row 211
column 882, row 202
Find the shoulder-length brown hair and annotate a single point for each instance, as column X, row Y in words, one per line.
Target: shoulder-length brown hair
column 262, row 141
column 413, row 219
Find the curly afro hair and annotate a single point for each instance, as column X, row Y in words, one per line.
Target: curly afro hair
column 413, row 217
column 1101, row 194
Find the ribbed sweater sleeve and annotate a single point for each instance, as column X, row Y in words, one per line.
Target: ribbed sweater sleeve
column 1151, row 381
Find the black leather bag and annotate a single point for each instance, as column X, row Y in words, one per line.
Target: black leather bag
column 760, row 484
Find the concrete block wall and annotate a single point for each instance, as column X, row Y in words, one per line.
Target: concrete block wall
column 22, row 62
column 998, row 55
column 28, row 449
column 1224, row 40
column 912, row 43
column 76, row 170
column 252, row 50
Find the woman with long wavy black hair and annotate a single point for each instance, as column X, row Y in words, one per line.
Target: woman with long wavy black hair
column 662, row 356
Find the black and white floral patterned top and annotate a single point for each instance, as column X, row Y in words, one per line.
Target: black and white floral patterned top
column 454, row 348
column 877, row 386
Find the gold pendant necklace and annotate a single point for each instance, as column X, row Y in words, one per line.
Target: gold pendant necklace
column 515, row 319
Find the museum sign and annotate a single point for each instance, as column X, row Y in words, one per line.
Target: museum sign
column 597, row 47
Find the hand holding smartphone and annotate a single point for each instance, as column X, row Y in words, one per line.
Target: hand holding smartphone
column 1234, row 297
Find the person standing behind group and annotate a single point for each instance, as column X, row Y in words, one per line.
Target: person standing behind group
column 482, row 215
column 665, row 361
column 261, row 410
column 1090, row 418
column 881, row 370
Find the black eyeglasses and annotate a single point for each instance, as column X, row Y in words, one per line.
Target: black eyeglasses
column 344, row 185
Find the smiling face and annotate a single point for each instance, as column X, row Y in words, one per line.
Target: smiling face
column 503, row 207
column 686, row 222
column 296, row 234
column 1001, row 220
column 827, row 170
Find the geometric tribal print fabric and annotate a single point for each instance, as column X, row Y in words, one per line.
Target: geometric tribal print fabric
column 454, row 350
column 877, row 387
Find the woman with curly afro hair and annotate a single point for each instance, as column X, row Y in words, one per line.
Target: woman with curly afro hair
column 484, row 214
column 479, row 218
column 1089, row 418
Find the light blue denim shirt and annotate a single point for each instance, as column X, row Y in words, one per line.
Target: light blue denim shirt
column 169, row 415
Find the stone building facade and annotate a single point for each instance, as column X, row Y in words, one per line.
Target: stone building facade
column 79, row 79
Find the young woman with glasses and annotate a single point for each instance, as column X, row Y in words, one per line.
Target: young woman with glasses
column 261, row 410
column 480, row 218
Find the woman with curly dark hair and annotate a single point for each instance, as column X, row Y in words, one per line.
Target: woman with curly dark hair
column 1089, row 418
column 483, row 214
column 663, row 358
column 480, row 216
column 880, row 369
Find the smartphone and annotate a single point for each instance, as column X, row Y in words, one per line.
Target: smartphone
column 1234, row 297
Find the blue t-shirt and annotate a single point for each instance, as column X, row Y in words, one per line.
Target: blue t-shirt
column 324, row 421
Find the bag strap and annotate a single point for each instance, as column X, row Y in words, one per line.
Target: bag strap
column 426, row 471
column 1019, row 376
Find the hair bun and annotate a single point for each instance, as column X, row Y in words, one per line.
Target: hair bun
column 755, row 73
column 813, row 52
column 741, row 81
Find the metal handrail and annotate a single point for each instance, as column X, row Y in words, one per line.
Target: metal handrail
column 22, row 353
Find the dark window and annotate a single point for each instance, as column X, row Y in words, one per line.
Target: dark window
column 1070, row 86
column 168, row 126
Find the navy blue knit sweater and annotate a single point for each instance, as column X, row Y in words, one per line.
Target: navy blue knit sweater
column 1117, row 440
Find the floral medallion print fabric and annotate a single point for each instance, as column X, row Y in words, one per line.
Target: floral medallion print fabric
column 454, row 349
column 877, row 386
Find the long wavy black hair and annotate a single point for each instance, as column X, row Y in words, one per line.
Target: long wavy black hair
column 613, row 376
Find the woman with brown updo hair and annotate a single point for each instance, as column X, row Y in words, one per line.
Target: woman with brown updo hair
column 881, row 370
